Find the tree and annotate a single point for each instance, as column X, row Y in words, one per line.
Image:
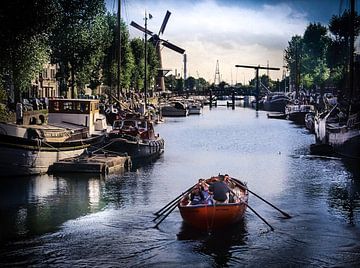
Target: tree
column 78, row 40
column 137, row 48
column 153, row 65
column 132, row 60
column 24, row 28
column 338, row 52
column 190, row 83
column 171, row 82
column 314, row 65
column 202, row 84
column 293, row 55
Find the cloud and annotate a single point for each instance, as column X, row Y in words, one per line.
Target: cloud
column 231, row 33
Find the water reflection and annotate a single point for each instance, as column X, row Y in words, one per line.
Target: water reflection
column 40, row 204
column 321, row 194
column 219, row 244
column 344, row 200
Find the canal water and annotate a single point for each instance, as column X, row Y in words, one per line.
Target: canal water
column 89, row 220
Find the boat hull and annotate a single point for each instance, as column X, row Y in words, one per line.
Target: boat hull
column 297, row 117
column 212, row 217
column 346, row 143
column 138, row 151
column 173, row 112
column 277, row 105
column 20, row 156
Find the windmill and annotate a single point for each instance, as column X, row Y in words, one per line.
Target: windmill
column 157, row 42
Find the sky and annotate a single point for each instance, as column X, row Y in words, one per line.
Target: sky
column 228, row 31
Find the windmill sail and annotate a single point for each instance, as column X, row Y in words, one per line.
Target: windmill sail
column 157, row 41
column 173, row 47
column 137, row 26
column 167, row 16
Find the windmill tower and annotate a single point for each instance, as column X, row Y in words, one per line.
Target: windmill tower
column 157, row 42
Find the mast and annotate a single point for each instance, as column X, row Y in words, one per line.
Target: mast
column 351, row 63
column 119, row 50
column 185, row 71
column 145, row 56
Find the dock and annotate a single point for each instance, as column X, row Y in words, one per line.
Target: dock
column 104, row 163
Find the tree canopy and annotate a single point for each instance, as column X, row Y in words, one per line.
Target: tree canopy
column 320, row 57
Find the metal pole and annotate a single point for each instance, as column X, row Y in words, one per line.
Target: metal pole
column 257, row 88
column 351, row 63
column 119, row 51
column 145, row 73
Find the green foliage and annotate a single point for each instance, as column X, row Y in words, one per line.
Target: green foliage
column 24, row 28
column 137, row 48
column 153, row 65
column 319, row 58
column 4, row 113
column 338, row 53
column 79, row 40
column 190, row 83
column 202, row 84
column 293, row 54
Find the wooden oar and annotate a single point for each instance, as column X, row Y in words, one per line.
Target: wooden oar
column 168, row 208
column 156, row 225
column 161, row 211
column 253, row 210
column 257, row 214
column 240, row 184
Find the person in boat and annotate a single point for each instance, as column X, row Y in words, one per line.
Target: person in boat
column 220, row 191
column 235, row 192
column 196, row 196
column 204, row 187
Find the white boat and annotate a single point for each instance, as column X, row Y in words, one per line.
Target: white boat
column 194, row 107
column 342, row 136
column 174, row 109
column 73, row 125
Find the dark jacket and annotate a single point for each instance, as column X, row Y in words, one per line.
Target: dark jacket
column 197, row 198
column 219, row 190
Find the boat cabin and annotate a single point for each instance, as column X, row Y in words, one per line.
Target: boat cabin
column 134, row 126
column 77, row 112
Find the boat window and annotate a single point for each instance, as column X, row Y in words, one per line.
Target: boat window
column 141, row 124
column 56, row 106
column 117, row 124
column 84, row 107
column 68, row 106
column 129, row 123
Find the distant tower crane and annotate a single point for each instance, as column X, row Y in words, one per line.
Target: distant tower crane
column 217, row 74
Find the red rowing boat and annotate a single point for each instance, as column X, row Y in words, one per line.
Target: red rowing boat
column 212, row 216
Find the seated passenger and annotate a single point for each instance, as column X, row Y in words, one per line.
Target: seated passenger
column 220, row 191
column 196, row 196
column 205, row 191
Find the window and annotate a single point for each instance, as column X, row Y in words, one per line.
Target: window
column 68, row 106
column 56, row 106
